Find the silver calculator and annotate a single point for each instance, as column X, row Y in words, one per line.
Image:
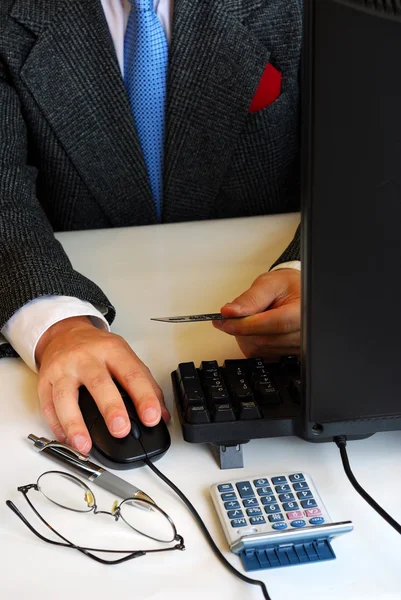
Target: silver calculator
column 275, row 520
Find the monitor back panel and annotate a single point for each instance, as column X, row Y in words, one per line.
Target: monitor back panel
column 351, row 217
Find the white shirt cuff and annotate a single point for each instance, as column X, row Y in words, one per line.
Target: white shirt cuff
column 291, row 264
column 28, row 324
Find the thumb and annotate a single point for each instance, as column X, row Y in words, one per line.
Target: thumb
column 255, row 300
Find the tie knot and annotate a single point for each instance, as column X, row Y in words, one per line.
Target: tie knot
column 142, row 5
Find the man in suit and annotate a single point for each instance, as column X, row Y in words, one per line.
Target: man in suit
column 74, row 154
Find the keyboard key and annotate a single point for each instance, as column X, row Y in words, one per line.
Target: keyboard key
column 300, row 486
column 265, row 392
column 278, row 480
column 222, row 412
column 280, row 489
column 245, row 489
column 260, row 482
column 313, row 512
column 290, row 506
column 279, row 526
column 286, row 497
column 250, row 502
column 192, row 393
column 304, row 494
column 257, row 520
column 296, row 514
column 298, row 523
column 187, row 371
column 232, row 504
column 268, row 500
column 228, row 496
column 253, row 512
column 210, row 368
column 248, row 410
column 238, row 523
column 316, row 521
column 197, row 414
column 271, row 508
column 264, row 491
column 235, row 514
column 295, row 389
column 225, row 487
column 308, row 503
column 297, row 477
column 276, row 517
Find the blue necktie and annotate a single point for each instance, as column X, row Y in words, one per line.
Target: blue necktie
column 145, row 75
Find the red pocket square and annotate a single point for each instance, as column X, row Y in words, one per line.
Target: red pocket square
column 268, row 90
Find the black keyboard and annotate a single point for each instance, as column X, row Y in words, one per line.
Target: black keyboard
column 242, row 400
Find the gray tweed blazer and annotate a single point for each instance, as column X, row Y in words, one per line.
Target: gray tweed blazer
column 70, row 157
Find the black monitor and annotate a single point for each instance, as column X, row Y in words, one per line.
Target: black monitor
column 351, row 218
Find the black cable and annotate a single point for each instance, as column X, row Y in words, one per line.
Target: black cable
column 341, row 442
column 206, row 533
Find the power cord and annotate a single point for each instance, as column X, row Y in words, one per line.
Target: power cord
column 341, row 442
column 206, row 533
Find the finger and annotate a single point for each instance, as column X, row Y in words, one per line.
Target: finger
column 270, row 347
column 45, row 392
column 140, row 385
column 276, row 321
column 104, row 391
column 65, row 400
column 256, row 299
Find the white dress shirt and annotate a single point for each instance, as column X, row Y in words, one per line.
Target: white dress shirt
column 27, row 325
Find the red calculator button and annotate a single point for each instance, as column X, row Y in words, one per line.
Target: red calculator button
column 295, row 514
column 312, row 512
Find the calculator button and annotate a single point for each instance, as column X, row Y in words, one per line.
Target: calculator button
column 300, row 486
column 297, row 477
column 316, row 521
column 276, row 517
column 245, row 489
column 260, row 482
column 238, row 523
column 232, row 504
column 265, row 491
column 280, row 489
column 250, row 502
column 296, row 514
column 252, row 512
column 313, row 512
column 298, row 523
column 225, row 487
column 304, row 494
column 235, row 514
column 257, row 520
column 279, row 526
column 290, row 506
column 272, row 508
column 268, row 500
column 228, row 496
column 308, row 503
column 286, row 497
column 278, row 480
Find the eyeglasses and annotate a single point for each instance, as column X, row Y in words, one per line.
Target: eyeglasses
column 69, row 492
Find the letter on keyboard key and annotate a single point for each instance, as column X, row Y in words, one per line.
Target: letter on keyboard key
column 197, row 414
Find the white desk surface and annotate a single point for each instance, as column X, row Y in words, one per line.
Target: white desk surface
column 183, row 269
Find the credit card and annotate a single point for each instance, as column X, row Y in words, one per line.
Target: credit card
column 194, row 318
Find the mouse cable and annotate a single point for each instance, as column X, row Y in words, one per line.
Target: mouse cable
column 341, row 442
column 205, row 531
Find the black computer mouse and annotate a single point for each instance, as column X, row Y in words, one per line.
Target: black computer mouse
column 128, row 452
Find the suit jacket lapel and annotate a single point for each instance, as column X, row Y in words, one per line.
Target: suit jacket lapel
column 73, row 74
column 215, row 67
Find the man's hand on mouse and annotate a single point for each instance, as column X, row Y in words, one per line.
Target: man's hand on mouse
column 268, row 333
column 73, row 352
